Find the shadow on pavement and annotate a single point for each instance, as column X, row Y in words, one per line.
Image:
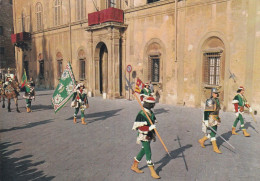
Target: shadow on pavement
column 40, row 107
column 99, row 116
column 174, row 154
column 22, row 169
column 29, row 125
column 160, row 111
column 226, row 136
column 166, row 159
column 249, row 125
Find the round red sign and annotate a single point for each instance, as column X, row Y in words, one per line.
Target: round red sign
column 129, row 68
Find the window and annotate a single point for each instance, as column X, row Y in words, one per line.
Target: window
column 212, row 69
column 1, row 30
column 82, row 69
column 80, row 9
column 41, row 63
column 152, row 1
column 155, row 68
column 60, row 69
column 111, row 3
column 39, row 16
column 57, row 12
column 2, row 50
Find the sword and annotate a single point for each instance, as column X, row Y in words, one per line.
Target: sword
column 220, row 136
column 155, row 130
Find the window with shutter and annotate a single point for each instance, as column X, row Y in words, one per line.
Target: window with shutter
column 154, row 67
column 212, row 68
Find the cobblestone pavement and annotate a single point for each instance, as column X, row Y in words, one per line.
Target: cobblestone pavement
column 45, row 146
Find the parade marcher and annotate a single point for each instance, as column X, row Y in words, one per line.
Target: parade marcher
column 151, row 87
column 80, row 101
column 29, row 94
column 211, row 120
column 8, row 78
column 145, row 135
column 239, row 102
column 145, row 92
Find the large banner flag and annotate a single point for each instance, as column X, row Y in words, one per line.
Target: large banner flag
column 139, row 86
column 65, row 89
column 24, row 79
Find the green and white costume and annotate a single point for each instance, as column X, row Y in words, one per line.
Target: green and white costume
column 211, row 117
column 239, row 103
column 29, row 94
column 80, row 101
column 146, row 92
column 145, row 136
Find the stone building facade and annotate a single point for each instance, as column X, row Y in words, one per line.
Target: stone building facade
column 185, row 49
column 6, row 29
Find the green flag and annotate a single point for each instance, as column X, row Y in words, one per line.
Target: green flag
column 64, row 90
column 24, row 79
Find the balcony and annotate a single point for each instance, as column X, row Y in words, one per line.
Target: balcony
column 106, row 15
column 20, row 37
column 21, row 40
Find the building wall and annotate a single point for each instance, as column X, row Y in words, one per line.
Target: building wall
column 229, row 26
column 6, row 22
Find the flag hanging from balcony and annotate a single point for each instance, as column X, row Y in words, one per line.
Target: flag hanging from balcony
column 65, row 89
column 139, row 86
column 24, row 79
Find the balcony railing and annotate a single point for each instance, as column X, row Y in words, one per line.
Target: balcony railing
column 106, row 15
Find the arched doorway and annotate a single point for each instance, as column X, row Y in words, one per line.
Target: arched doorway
column 101, row 68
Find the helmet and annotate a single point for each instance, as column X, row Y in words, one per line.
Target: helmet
column 214, row 90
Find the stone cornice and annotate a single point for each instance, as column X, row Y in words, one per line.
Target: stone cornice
column 147, row 6
column 165, row 2
column 105, row 25
column 60, row 27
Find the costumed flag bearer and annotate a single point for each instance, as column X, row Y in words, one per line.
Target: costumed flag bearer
column 145, row 92
column 80, row 101
column 239, row 102
column 29, row 94
column 145, row 135
column 211, row 120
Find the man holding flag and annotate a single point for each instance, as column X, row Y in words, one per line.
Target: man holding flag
column 29, row 91
column 145, row 135
column 65, row 89
column 80, row 101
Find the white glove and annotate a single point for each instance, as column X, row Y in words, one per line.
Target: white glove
column 237, row 114
column 152, row 127
column 206, row 123
column 250, row 109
